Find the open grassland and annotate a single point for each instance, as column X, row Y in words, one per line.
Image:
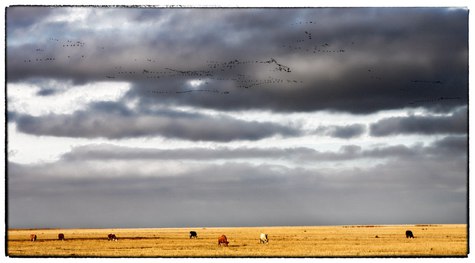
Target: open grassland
column 309, row 241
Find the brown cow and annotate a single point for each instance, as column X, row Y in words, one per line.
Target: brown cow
column 223, row 240
column 112, row 237
column 61, row 236
column 33, row 237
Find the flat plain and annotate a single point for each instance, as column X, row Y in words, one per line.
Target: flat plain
column 302, row 241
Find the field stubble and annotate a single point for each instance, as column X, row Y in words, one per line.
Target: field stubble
column 311, row 241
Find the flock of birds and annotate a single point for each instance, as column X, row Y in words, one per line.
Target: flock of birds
column 307, row 45
column 41, row 55
column 213, row 70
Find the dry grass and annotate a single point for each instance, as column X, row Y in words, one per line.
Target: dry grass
column 311, row 241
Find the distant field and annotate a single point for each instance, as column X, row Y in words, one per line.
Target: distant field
column 310, row 241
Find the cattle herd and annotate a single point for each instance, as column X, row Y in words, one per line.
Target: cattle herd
column 222, row 240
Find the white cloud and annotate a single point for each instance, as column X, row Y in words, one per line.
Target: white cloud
column 195, row 82
column 73, row 16
column 68, row 98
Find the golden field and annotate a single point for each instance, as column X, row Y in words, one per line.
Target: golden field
column 308, row 241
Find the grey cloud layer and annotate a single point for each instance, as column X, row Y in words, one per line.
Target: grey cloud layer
column 393, row 57
column 115, row 121
column 343, row 132
column 456, row 123
column 454, row 146
column 243, row 193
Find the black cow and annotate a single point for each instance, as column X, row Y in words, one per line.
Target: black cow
column 409, row 234
column 112, row 237
column 193, row 234
column 61, row 236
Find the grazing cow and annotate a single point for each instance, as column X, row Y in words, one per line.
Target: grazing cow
column 193, row 234
column 409, row 234
column 112, row 237
column 33, row 237
column 264, row 239
column 61, row 236
column 223, row 240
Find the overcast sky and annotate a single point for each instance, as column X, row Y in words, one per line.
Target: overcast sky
column 142, row 117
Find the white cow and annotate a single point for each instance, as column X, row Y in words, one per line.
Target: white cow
column 264, row 239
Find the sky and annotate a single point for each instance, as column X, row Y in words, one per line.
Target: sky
column 187, row 117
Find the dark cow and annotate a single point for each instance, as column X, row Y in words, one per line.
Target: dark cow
column 61, row 236
column 263, row 239
column 33, row 237
column 112, row 237
column 193, row 234
column 223, row 240
column 409, row 234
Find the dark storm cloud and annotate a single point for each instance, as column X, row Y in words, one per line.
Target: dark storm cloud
column 115, row 121
column 245, row 194
column 456, row 123
column 410, row 76
column 343, row 132
column 341, row 59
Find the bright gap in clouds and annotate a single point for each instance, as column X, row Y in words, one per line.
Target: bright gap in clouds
column 65, row 98
column 195, row 82
column 71, row 16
